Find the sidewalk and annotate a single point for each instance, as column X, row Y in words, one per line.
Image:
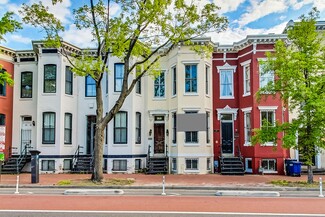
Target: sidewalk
column 209, row 180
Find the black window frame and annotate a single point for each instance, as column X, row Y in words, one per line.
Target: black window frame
column 121, row 128
column 138, row 84
column 174, row 127
column 68, row 129
column 46, row 167
column 191, row 137
column 120, row 166
column 138, row 128
column 2, row 119
column 49, row 128
column 23, row 86
column 90, row 82
column 68, row 80
column 193, row 80
column 208, row 123
column 49, row 80
column 118, row 78
column 174, row 73
column 191, row 160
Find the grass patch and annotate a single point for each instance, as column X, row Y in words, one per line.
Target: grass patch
column 286, row 183
column 105, row 182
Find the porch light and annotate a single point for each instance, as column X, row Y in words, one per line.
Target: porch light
column 150, row 132
column 167, row 132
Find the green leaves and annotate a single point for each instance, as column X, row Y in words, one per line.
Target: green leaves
column 8, row 24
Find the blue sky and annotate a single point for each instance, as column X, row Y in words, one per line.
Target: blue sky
column 246, row 17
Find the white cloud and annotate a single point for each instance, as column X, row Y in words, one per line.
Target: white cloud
column 60, row 10
column 2, row 2
column 320, row 4
column 298, row 4
column 278, row 29
column 20, row 39
column 228, row 6
column 259, row 9
column 81, row 38
column 114, row 8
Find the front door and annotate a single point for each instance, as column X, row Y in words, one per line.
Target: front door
column 159, row 138
column 26, row 132
column 227, row 138
column 91, row 123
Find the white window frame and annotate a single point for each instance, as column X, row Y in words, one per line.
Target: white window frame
column 232, row 96
column 119, row 161
column 160, row 85
column 267, row 170
column 226, row 67
column 174, row 80
column 207, row 80
column 246, row 111
column 247, row 169
column 260, row 70
column 191, row 168
column 268, row 109
column 191, row 92
column 247, row 89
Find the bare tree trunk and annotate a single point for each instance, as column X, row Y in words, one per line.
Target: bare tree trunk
column 310, row 179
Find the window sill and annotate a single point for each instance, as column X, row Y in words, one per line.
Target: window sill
column 191, row 171
column 48, row 145
column 191, row 144
column 48, row 94
column 246, row 94
column 26, row 99
column 159, row 99
column 174, row 145
column 69, row 95
column 227, row 97
column 268, row 144
column 120, row 145
column 138, row 94
column 247, row 144
column 207, row 95
column 174, row 96
column 191, row 94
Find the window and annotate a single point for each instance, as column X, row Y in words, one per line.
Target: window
column 247, row 128
column 267, row 118
column 191, row 137
column 174, row 128
column 208, row 126
column 48, row 128
column 68, row 81
column 119, row 165
column 48, row 165
column 68, row 128
column 208, row 163
column 269, row 165
column 138, row 164
column 67, row 164
column 49, row 78
column 120, row 128
column 2, row 119
column 90, row 86
column 247, row 80
column 106, row 83
column 137, row 127
column 248, row 165
column 26, row 85
column 190, row 78
column 191, row 164
column 3, row 86
column 160, row 85
column 207, row 70
column 174, row 77
column 265, row 77
column 174, row 164
column 226, row 84
column 138, row 84
column 118, row 76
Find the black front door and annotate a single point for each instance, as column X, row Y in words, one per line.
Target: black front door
column 159, row 138
column 91, row 127
column 227, row 138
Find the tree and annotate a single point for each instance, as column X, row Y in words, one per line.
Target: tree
column 7, row 25
column 140, row 34
column 299, row 68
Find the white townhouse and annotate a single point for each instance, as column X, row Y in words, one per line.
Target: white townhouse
column 179, row 111
column 163, row 126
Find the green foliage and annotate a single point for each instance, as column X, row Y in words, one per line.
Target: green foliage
column 5, row 77
column 8, row 24
column 299, row 66
column 286, row 183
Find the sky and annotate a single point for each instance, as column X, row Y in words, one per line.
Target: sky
column 246, row 17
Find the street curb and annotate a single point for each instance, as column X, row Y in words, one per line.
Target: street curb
column 93, row 192
column 249, row 193
column 250, row 188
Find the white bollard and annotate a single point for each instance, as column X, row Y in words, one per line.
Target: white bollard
column 320, row 187
column 17, row 184
column 163, row 193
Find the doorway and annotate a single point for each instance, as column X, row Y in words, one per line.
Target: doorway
column 159, row 138
column 91, row 129
column 26, row 133
column 227, row 134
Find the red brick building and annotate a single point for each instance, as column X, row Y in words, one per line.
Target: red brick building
column 236, row 79
column 6, row 103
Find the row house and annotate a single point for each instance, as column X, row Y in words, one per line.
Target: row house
column 237, row 76
column 6, row 104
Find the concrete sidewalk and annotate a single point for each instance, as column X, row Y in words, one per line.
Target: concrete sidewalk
column 141, row 180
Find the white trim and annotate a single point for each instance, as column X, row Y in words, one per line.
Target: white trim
column 267, row 108
column 247, row 65
column 189, row 155
column 226, row 66
column 191, row 109
column 190, row 62
column 227, row 110
column 246, row 162
column 246, row 62
column 232, row 84
column 248, row 109
column 261, row 59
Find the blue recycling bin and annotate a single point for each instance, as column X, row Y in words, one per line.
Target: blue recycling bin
column 295, row 168
column 287, row 163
